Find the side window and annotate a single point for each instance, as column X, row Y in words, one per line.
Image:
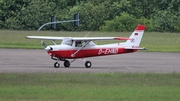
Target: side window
column 79, row 44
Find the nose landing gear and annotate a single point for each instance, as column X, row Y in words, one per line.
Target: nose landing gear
column 56, row 65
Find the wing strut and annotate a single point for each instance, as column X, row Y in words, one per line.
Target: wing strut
column 72, row 55
column 54, row 42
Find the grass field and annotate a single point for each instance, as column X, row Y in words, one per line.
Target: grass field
column 89, row 87
column 155, row 42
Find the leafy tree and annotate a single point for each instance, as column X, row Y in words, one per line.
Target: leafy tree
column 177, row 25
column 164, row 21
column 91, row 16
column 143, row 8
column 125, row 22
column 32, row 16
column 157, row 15
column 118, row 7
column 9, row 10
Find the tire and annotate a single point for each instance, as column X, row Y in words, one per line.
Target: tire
column 56, row 65
column 67, row 63
column 88, row 64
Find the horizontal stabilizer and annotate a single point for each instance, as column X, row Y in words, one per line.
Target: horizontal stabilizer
column 136, row 48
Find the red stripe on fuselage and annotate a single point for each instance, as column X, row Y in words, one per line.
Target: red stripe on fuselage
column 89, row 52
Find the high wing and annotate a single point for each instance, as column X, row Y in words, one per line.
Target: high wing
column 45, row 37
column 77, row 38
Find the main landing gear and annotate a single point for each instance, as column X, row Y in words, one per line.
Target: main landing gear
column 67, row 63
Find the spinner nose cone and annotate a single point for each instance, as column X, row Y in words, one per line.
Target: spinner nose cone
column 48, row 48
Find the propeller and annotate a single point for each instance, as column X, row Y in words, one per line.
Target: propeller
column 42, row 42
column 48, row 48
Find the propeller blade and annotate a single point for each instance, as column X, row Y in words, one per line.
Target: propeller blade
column 42, row 42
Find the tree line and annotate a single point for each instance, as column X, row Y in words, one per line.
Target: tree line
column 95, row 15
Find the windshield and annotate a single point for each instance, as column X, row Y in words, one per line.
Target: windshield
column 67, row 41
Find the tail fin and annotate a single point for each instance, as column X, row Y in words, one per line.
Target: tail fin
column 136, row 36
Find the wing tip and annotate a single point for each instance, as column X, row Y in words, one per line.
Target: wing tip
column 26, row 37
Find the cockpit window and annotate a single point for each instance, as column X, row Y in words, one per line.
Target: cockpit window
column 67, row 42
column 81, row 43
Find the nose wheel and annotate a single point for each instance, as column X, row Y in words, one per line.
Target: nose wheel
column 56, row 65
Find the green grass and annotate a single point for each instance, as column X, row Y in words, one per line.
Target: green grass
column 89, row 87
column 155, row 42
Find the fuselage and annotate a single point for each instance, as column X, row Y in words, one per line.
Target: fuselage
column 65, row 51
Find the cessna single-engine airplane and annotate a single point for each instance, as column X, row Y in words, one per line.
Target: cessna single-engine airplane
column 82, row 47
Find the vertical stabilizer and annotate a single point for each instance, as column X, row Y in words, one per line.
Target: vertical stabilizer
column 136, row 36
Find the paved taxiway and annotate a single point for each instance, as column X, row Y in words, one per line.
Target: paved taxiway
column 29, row 60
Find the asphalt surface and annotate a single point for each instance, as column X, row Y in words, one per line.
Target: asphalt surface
column 29, row 61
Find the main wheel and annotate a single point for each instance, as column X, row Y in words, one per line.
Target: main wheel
column 88, row 64
column 56, row 65
column 66, row 63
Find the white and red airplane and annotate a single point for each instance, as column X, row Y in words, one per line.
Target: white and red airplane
column 82, row 47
